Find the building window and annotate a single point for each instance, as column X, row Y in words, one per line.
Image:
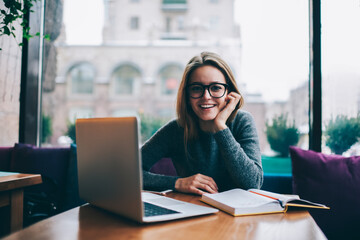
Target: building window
column 82, row 79
column 174, row 5
column 174, row 1
column 168, row 24
column 181, row 23
column 170, row 77
column 214, row 22
column 134, row 23
column 125, row 80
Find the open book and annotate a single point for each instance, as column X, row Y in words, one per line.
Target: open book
column 238, row 202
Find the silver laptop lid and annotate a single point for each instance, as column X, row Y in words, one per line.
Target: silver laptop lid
column 109, row 166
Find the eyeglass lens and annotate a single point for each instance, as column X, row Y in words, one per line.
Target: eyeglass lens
column 216, row 90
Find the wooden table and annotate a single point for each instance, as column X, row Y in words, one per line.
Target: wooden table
column 12, row 194
column 88, row 222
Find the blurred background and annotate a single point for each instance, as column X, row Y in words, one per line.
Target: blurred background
column 110, row 58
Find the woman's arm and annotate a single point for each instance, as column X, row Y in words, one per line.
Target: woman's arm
column 168, row 142
column 240, row 150
column 160, row 145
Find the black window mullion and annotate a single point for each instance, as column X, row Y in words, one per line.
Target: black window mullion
column 315, row 104
column 29, row 86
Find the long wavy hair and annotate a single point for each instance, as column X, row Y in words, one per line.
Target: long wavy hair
column 186, row 117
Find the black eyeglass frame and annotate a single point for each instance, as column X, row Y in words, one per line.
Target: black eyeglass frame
column 207, row 87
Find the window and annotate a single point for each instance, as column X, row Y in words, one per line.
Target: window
column 168, row 24
column 340, row 76
column 170, row 77
column 125, row 79
column 270, row 60
column 134, row 23
column 174, row 1
column 181, row 23
column 81, row 78
column 214, row 22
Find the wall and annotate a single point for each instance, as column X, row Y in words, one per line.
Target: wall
column 10, row 69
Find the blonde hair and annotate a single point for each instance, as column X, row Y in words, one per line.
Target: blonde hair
column 186, row 117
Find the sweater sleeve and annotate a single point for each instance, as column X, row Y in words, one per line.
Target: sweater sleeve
column 160, row 145
column 240, row 150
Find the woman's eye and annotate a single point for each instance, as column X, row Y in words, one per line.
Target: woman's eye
column 196, row 89
column 216, row 88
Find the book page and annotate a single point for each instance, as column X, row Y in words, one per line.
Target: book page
column 290, row 200
column 282, row 197
column 238, row 198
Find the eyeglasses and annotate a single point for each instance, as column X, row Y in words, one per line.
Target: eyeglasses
column 216, row 90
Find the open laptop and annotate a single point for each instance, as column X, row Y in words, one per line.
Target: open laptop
column 110, row 173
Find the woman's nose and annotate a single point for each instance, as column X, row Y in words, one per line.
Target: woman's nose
column 206, row 94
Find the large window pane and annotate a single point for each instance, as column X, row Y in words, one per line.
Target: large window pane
column 265, row 43
column 275, row 60
column 341, row 77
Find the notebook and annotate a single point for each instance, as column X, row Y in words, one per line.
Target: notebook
column 110, row 173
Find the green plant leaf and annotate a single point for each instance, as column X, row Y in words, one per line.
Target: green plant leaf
column 6, row 30
column 14, row 10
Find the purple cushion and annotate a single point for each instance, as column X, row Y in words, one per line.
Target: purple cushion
column 334, row 181
column 5, row 158
column 51, row 163
column 165, row 167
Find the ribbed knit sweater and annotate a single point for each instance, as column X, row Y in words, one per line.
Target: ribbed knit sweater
column 231, row 156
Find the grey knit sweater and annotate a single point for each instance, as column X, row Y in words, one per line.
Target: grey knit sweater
column 231, row 156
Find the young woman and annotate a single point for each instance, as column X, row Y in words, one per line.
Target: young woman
column 214, row 146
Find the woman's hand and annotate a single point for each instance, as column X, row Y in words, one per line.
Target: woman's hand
column 197, row 184
column 232, row 99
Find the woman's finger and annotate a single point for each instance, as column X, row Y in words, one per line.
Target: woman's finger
column 208, row 181
column 211, row 183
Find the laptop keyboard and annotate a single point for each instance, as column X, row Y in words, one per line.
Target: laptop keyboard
column 153, row 210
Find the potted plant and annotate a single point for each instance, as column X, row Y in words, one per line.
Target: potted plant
column 342, row 132
column 281, row 135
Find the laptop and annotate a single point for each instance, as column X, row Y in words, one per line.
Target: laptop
column 110, row 173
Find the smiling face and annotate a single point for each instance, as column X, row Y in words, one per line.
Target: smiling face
column 207, row 108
